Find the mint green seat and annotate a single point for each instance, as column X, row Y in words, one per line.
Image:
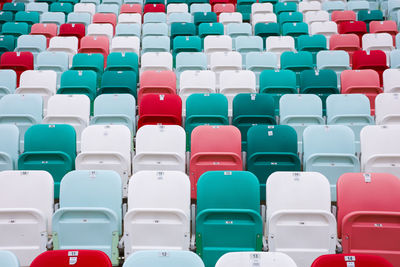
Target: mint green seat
column 285, row 7
column 123, row 61
column 369, row 15
column 312, row 44
column 201, row 109
column 204, row 17
column 278, row 83
column 185, row 44
column 244, row 7
column 65, row 8
column 228, row 214
column 118, row 82
column 13, row 7
column 30, row 17
column 250, row 110
column 15, row 28
column 286, row 17
column 6, row 16
column 265, row 30
column 297, row 62
column 271, row 148
column 322, row 83
column 81, row 82
column 94, row 62
column 7, row 43
column 49, row 147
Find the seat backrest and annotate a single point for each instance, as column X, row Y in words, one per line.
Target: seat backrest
column 336, row 60
column 78, row 258
column 253, row 105
column 299, row 105
column 248, row 259
column 8, row 81
column 8, row 259
column 320, row 81
column 344, row 42
column 201, row 81
column 387, row 108
column 32, row 79
column 115, row 104
column 276, row 79
column 69, row 105
column 391, row 80
column 9, row 145
column 358, row 79
column 373, row 41
column 346, row 104
column 225, row 60
column 206, row 104
column 173, row 258
column 343, row 260
column 157, row 61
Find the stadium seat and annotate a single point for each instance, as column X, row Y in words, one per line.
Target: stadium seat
column 247, row 44
column 14, row 7
column 265, row 30
column 155, row 17
column 259, row 61
column 347, row 42
column 156, row 60
column 100, row 29
column 300, row 111
column 158, row 214
column 48, row 30
column 9, row 147
column 391, row 81
column 312, row 44
column 79, row 17
column 95, row 44
column 94, row 62
column 17, row 61
column 222, row 61
column 110, row 109
column 214, row 148
column 368, row 217
column 131, row 8
column 299, row 221
column 155, row 29
column 271, row 148
column 57, row 18
column 279, row 44
column 386, row 109
column 177, row 8
column 379, row 149
column 67, row 44
column 31, row 43
column 179, row 18
column 326, row 28
column 79, row 258
column 156, row 82
column 72, row 29
column 337, row 61
column 79, row 82
column 356, row 27
column 190, row 61
column 238, row 29
column 378, row 41
column 358, row 6
column 339, row 260
column 9, row 259
column 286, row 6
column 219, row 8
column 125, row 44
column 156, row 44
column 297, row 62
column 361, row 82
column 230, row 17
column 37, row 7
column 105, row 18
column 230, row 196
column 26, row 207
column 248, row 259
column 170, row 258
column 7, row 43
column 287, row 17
column 127, row 29
column 394, row 60
column 182, row 29
column 309, row 6
column 388, row 26
column 369, row 15
column 27, row 17
column 130, row 18
column 8, row 82
column 186, row 44
column 332, row 6
column 65, row 8
column 217, row 43
column 85, row 8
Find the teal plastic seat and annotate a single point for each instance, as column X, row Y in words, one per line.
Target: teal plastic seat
column 15, row 28
column 312, row 44
column 247, row 44
column 9, row 147
column 155, row 17
column 238, row 29
column 78, row 82
column 300, row 111
column 228, row 214
column 244, row 7
column 8, row 259
column 295, row 29
column 265, row 30
column 21, row 110
column 115, row 109
column 6, row 16
column 78, row 17
column 190, row 61
column 14, row 7
column 94, row 62
column 285, row 7
column 65, row 8
column 322, row 83
column 7, row 43
column 30, row 17
column 128, row 29
column 31, row 43
column 51, row 148
column 90, row 214
column 53, row 17
column 204, row 17
column 352, row 110
column 369, row 15
column 297, row 62
column 123, row 61
column 155, row 44
column 182, row 29
column 330, row 151
column 278, row 83
column 286, row 17
column 172, row 258
column 201, row 109
column 271, row 148
column 8, row 82
column 260, row 61
column 118, row 82
column 155, row 29
column 395, row 59
column 214, row 28
column 186, row 44
column 250, row 110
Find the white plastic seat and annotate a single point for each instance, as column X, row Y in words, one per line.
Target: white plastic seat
column 220, row 61
column 177, row 8
column 41, row 82
column 158, row 214
column 130, row 18
column 233, row 82
column 160, row 148
column 391, row 81
column 387, row 108
column 316, row 16
column 380, row 146
column 217, row 43
column 327, row 28
column 157, row 61
column 85, row 8
column 306, row 6
column 261, row 8
column 101, row 29
column 230, row 17
column 378, row 41
column 106, row 147
column 263, row 18
column 251, row 259
column 280, row 44
column 26, row 207
column 125, row 44
column 299, row 221
column 69, row 109
column 67, row 44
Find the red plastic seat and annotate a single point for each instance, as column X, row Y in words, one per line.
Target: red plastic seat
column 17, row 61
column 68, row 258
column 157, row 82
column 346, row 42
column 110, row 18
column 131, row 8
column 154, row 8
column 368, row 214
column 160, row 109
column 226, row 8
column 388, row 26
column 215, row 2
column 361, row 82
column 356, row 27
column 345, row 15
column 72, row 29
column 214, row 148
column 374, row 59
column 47, row 29
column 95, row 44
column 345, row 260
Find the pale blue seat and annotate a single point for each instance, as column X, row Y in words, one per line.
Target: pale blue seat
column 8, row 82
column 155, row 17
column 8, row 259
column 108, row 8
column 53, row 17
column 37, row 7
column 395, row 59
column 9, row 147
column 398, row 41
column 133, row 2
column 90, row 212
column 115, row 2
column 77, row 17
column 238, row 29
column 329, row 150
column 353, row 110
column 155, row 44
column 358, row 5
column 259, row 61
column 22, row 111
column 179, row 17
column 331, row 6
column 57, row 61
column 246, row 44
column 96, row 2
column 393, row 6
column 172, row 258
column 128, row 29
column 200, row 7
column 190, row 61
column 300, row 111
column 31, row 43
column 155, row 29
column 336, row 60
column 115, row 109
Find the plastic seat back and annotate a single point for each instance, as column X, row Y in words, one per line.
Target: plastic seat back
column 8, row 82
column 8, row 258
column 247, row 259
column 157, row 82
column 64, row 258
column 9, row 147
column 173, row 258
column 345, row 259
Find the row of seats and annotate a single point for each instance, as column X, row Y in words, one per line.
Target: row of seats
column 298, row 219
